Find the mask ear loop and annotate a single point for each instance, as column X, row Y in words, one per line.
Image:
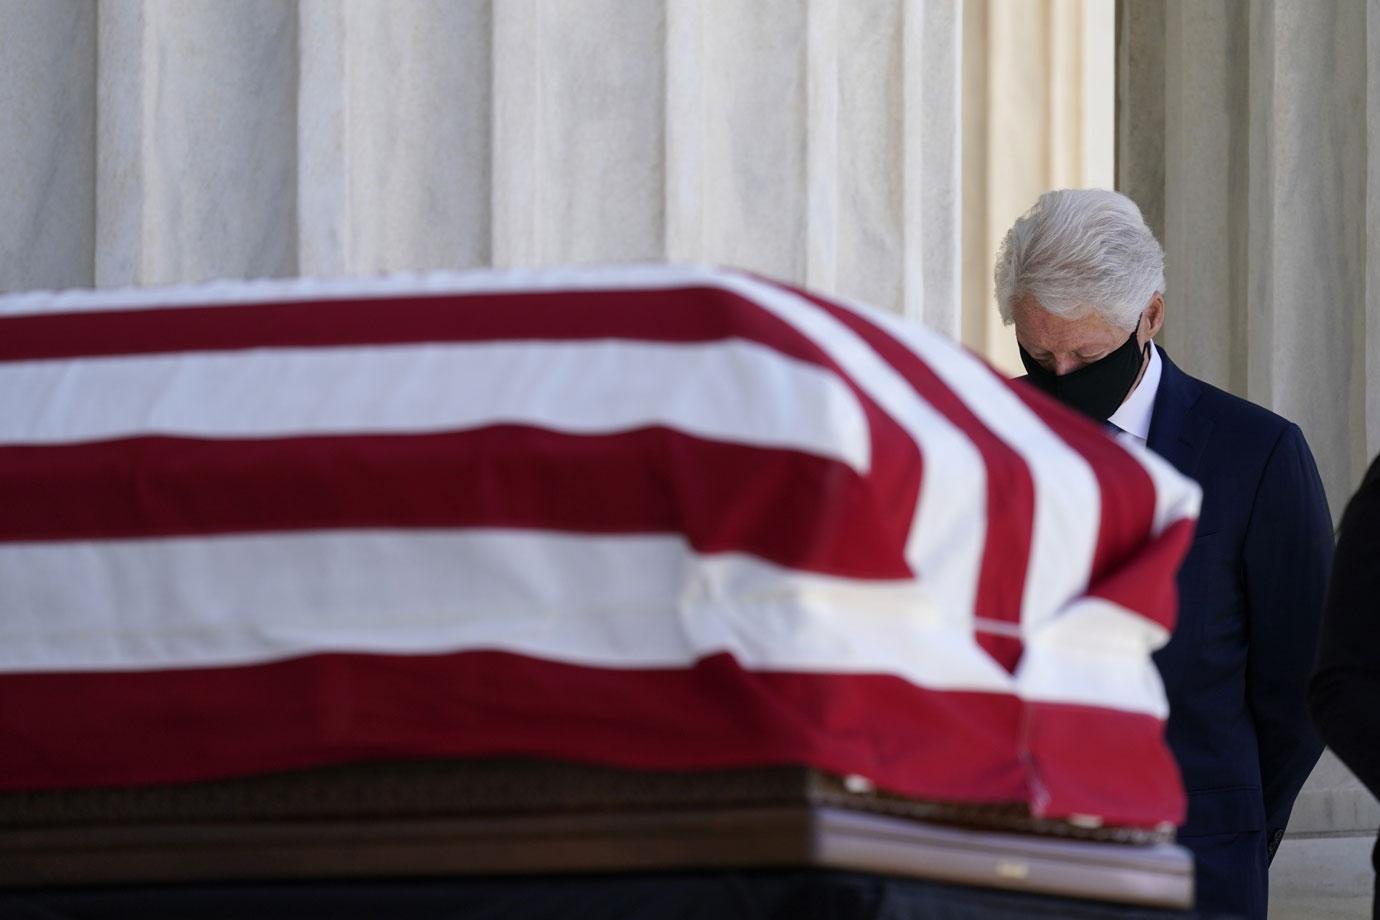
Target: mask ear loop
column 1144, row 353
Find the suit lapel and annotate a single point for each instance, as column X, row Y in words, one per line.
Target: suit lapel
column 1177, row 433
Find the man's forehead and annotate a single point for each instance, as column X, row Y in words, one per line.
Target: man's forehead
column 1039, row 328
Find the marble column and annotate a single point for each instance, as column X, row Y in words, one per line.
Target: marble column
column 48, row 114
column 1248, row 133
column 1037, row 114
column 579, row 131
column 1243, row 130
column 819, row 142
column 393, row 137
column 196, row 154
column 816, row 141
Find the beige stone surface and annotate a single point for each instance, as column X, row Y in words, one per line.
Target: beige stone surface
column 216, row 149
column 1334, row 802
column 1141, row 89
column 195, row 154
column 823, row 142
column 1264, row 117
column 1368, row 317
column 48, row 110
column 1254, row 129
column 118, row 152
column 579, row 147
column 177, row 140
column 413, row 132
column 1322, row 878
column 1038, row 111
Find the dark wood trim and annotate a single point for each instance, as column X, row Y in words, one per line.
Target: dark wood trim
column 485, row 818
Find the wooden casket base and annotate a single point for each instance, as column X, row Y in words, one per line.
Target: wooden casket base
column 495, row 817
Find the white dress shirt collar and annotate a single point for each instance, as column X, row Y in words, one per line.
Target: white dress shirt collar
column 1133, row 416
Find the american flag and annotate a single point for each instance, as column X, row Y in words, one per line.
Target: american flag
column 650, row 517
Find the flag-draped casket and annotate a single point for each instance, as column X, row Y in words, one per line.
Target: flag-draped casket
column 646, row 517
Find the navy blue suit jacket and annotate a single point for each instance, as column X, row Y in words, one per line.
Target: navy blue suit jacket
column 1250, row 596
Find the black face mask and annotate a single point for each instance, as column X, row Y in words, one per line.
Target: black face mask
column 1096, row 389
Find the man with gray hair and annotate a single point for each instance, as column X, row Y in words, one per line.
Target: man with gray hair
column 1082, row 278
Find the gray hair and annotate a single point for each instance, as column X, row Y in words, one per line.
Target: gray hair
column 1081, row 248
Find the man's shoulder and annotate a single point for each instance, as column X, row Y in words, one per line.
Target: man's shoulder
column 1243, row 423
column 1232, row 411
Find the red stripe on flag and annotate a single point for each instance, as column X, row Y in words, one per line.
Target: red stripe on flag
column 49, row 487
column 1126, row 489
column 795, row 509
column 1103, row 762
column 176, row 726
column 1147, row 582
column 1010, row 489
column 116, row 729
column 692, row 314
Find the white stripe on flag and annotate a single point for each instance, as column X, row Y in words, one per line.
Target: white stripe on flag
column 949, row 525
column 1096, row 653
column 1067, row 499
column 734, row 390
column 949, row 519
column 611, row 601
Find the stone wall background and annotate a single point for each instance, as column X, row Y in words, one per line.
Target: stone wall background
column 180, row 140
column 834, row 143
column 1249, row 133
column 1038, row 113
